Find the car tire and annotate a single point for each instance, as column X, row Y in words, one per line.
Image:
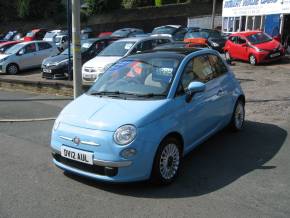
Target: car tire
column 252, row 60
column 12, row 69
column 238, row 117
column 228, row 56
column 167, row 162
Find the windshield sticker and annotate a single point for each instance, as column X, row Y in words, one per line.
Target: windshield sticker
column 163, row 74
column 128, row 46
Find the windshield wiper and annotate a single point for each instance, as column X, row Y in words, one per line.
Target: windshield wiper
column 150, row 95
column 105, row 93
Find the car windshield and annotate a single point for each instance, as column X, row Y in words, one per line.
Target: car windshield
column 120, row 33
column 164, row 30
column 197, row 34
column 14, row 49
column 119, row 48
column 8, row 35
column 49, row 35
column 259, row 38
column 30, row 34
column 148, row 77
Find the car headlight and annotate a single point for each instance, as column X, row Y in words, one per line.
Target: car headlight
column 125, row 134
column 4, row 59
column 259, row 50
column 56, row 124
column 64, row 62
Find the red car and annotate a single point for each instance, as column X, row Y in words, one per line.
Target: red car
column 36, row 34
column 254, row 46
column 104, row 34
column 5, row 45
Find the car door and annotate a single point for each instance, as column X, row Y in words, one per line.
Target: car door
column 28, row 58
column 44, row 50
column 225, row 87
column 199, row 116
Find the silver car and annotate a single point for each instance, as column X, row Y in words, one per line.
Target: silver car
column 92, row 69
column 26, row 55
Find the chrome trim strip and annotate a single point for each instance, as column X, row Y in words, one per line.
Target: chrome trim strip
column 104, row 163
column 89, row 143
column 66, row 138
column 81, row 142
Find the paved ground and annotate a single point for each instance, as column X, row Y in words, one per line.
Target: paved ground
column 231, row 175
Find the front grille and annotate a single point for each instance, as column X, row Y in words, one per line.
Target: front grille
column 47, row 75
column 100, row 170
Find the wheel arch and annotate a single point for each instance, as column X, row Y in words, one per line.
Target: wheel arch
column 176, row 135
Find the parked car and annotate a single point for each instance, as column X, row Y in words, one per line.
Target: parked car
column 11, row 36
column 254, row 46
column 127, row 32
column 177, row 32
column 104, row 34
column 175, row 45
column 6, row 45
column 145, row 114
column 35, row 34
column 214, row 38
column 121, row 48
column 50, row 36
column 87, row 33
column 61, row 42
column 56, row 67
column 26, row 55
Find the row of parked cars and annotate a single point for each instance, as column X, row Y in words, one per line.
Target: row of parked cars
column 98, row 54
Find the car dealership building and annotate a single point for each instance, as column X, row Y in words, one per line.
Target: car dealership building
column 270, row 16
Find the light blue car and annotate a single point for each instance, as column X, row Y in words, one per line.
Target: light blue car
column 145, row 113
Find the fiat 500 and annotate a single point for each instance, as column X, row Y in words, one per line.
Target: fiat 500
column 145, row 113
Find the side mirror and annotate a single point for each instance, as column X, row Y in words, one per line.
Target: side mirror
column 194, row 87
column 21, row 52
column 244, row 45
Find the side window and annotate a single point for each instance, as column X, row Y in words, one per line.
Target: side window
column 161, row 41
column 218, row 66
column 138, row 48
column 147, row 45
column 43, row 46
column 179, row 35
column 241, row 40
column 198, row 69
column 30, row 48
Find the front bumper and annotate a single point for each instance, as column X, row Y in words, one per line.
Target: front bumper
column 266, row 57
column 108, row 164
column 54, row 72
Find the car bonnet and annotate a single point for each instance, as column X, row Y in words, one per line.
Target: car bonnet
column 107, row 114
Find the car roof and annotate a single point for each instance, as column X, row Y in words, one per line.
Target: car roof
column 143, row 38
column 246, row 33
column 26, row 43
column 9, row 42
column 178, row 53
column 173, row 26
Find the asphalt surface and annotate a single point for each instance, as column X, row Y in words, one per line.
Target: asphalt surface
column 242, row 174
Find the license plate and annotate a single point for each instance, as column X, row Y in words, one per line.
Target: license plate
column 46, row 70
column 275, row 55
column 77, row 155
column 89, row 76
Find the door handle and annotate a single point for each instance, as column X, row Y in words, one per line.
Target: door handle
column 220, row 92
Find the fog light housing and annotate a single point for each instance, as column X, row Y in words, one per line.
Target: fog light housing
column 128, row 152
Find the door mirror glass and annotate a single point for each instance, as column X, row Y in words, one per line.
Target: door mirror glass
column 195, row 87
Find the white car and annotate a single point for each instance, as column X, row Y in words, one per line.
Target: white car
column 118, row 49
column 26, row 55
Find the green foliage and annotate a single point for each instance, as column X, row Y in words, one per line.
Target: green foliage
column 34, row 9
column 100, row 6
